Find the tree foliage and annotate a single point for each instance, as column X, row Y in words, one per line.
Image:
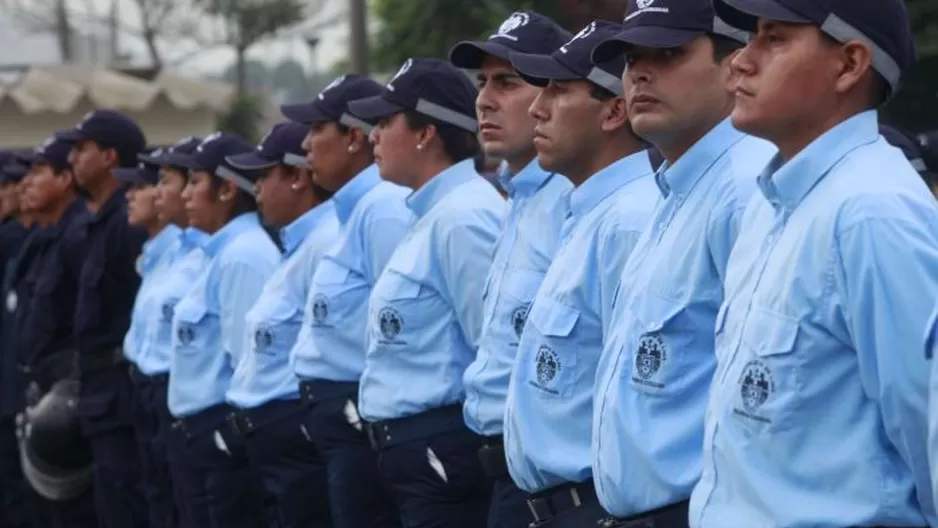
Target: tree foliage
column 244, row 117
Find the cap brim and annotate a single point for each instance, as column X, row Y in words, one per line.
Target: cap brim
column 541, row 69
column 178, row 159
column 373, row 108
column 250, row 161
column 470, row 54
column 131, row 175
column 645, row 36
column 304, row 113
column 745, row 14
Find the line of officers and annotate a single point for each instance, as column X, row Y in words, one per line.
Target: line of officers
column 709, row 300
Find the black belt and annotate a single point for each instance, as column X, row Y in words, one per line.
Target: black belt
column 318, row 391
column 138, row 377
column 492, row 457
column 553, row 501
column 100, row 359
column 389, row 433
column 201, row 422
column 671, row 516
column 245, row 421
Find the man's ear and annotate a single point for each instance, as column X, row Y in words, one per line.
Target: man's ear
column 615, row 114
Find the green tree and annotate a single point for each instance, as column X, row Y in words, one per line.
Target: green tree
column 429, row 28
column 915, row 106
column 247, row 22
column 243, row 117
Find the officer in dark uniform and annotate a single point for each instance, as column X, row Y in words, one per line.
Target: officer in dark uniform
column 13, row 235
column 40, row 299
column 107, row 286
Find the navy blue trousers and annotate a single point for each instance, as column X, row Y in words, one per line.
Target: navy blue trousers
column 509, row 508
column 151, row 426
column 106, row 410
column 358, row 497
column 438, row 482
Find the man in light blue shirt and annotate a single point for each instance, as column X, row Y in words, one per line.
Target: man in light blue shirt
column 582, row 131
column 658, row 361
column 329, row 355
column 217, row 482
column 425, row 310
column 263, row 391
column 537, row 209
column 817, row 412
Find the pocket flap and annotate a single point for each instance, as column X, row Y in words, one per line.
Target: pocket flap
column 401, row 286
column 769, row 333
column 552, row 318
column 657, row 311
column 190, row 312
column 330, row 272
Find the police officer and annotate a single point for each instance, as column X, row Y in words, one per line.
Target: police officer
column 526, row 247
column 108, row 282
column 582, row 131
column 44, row 302
column 329, row 354
column 819, row 394
column 208, row 336
column 426, row 306
column 910, row 147
column 657, row 361
column 170, row 279
column 162, row 248
column 264, row 388
column 16, row 235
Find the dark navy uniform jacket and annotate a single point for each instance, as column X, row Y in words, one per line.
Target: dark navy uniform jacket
column 45, row 321
column 16, row 245
column 109, row 280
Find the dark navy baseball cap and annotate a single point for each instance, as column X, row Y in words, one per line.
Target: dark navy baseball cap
column 666, row 24
column 573, row 61
column 283, row 145
column 906, row 144
column 522, row 32
column 109, row 129
column 212, row 155
column 53, row 151
column 143, row 174
column 332, row 103
column 11, row 168
column 173, row 156
column 882, row 24
column 432, row 87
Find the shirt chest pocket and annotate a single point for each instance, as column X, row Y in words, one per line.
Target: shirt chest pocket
column 769, row 385
column 333, row 294
column 552, row 368
column 659, row 346
column 195, row 329
column 164, row 327
column 519, row 289
column 277, row 332
column 402, row 307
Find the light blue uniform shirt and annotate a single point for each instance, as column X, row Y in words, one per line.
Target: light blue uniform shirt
column 273, row 323
column 549, row 411
column 817, row 412
column 425, row 311
column 209, row 321
column 931, row 346
column 537, row 208
column 157, row 254
column 168, row 282
column 657, row 363
column 374, row 219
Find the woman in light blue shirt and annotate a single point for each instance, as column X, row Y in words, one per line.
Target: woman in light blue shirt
column 425, row 310
column 219, row 486
column 264, row 388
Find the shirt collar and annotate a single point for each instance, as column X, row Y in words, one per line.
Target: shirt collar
column 293, row 235
column 158, row 244
column 348, row 196
column 424, row 198
column 684, row 174
column 229, row 232
column 786, row 184
column 526, row 182
column 607, row 181
column 194, row 237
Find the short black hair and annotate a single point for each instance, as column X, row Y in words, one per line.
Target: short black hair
column 601, row 94
column 723, row 47
column 459, row 144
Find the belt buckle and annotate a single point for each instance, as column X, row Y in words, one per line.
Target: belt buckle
column 233, row 424
column 575, row 497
